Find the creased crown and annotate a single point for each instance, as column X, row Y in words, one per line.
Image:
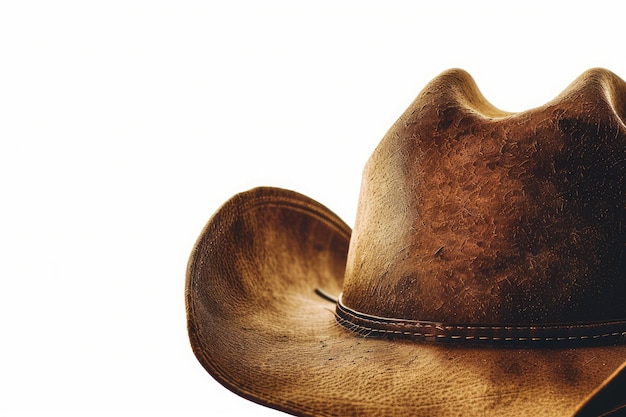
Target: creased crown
column 469, row 214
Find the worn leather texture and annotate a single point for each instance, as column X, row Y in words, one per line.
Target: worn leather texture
column 467, row 214
column 472, row 215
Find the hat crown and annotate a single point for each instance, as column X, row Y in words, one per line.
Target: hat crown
column 468, row 214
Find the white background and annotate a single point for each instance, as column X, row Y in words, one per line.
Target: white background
column 125, row 124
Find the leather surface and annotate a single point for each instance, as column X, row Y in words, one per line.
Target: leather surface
column 471, row 215
column 257, row 325
column 608, row 399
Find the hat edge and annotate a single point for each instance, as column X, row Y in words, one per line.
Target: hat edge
column 237, row 204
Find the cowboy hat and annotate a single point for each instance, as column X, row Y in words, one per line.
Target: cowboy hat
column 485, row 274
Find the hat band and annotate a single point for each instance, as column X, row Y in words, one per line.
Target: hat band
column 592, row 333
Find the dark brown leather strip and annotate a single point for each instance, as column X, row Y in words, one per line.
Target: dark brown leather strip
column 535, row 335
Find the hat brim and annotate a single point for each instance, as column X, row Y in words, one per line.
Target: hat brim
column 257, row 325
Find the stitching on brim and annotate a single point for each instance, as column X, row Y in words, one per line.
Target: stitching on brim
column 296, row 205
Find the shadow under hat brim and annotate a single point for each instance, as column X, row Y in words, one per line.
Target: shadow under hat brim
column 257, row 325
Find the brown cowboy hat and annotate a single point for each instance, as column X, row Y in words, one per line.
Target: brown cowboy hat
column 485, row 275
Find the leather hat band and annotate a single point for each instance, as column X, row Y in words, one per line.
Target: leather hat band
column 534, row 335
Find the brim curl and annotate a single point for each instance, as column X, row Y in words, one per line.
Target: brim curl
column 257, row 326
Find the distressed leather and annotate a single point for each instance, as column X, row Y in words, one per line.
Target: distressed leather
column 467, row 214
column 472, row 215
